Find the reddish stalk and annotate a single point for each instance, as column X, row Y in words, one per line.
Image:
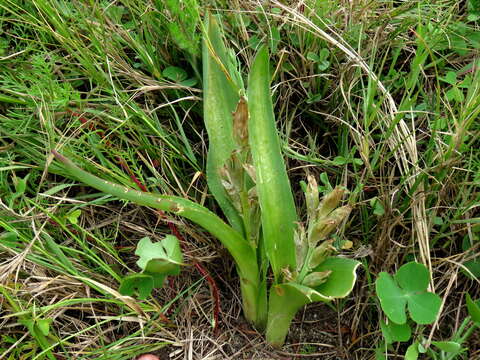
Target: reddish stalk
column 204, row 272
column 125, row 167
column 90, row 125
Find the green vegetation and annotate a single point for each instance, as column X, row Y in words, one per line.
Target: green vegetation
column 377, row 101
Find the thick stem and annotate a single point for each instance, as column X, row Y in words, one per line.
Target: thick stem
column 254, row 311
column 283, row 305
column 241, row 251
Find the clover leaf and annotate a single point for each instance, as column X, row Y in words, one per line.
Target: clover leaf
column 139, row 282
column 157, row 260
column 164, row 257
column 408, row 289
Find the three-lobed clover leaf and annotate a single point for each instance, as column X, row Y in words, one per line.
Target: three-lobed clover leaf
column 408, row 289
column 164, row 257
column 157, row 260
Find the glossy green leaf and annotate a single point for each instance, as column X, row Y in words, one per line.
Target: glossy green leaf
column 413, row 277
column 448, row 346
column 274, row 193
column 391, row 298
column 342, row 278
column 424, row 307
column 408, row 287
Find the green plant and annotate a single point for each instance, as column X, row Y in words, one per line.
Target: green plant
column 408, row 289
column 157, row 260
column 247, row 176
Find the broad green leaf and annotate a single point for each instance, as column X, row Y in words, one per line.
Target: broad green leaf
column 448, row 346
column 387, row 335
column 189, row 82
column 220, row 98
column 274, row 193
column 473, row 309
column 455, row 94
column 394, row 332
column 316, row 278
column 140, row 282
column 324, row 54
column 450, row 78
column 312, row 56
column 391, row 298
column 286, row 299
column 377, row 206
column 21, row 185
column 424, row 307
column 413, row 277
column 342, row 278
column 412, row 352
column 323, row 65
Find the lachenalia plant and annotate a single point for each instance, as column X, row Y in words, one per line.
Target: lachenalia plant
column 282, row 264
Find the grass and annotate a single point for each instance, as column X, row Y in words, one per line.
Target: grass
column 381, row 97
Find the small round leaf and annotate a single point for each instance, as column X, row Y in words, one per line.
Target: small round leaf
column 140, row 282
column 413, row 277
column 394, row 332
column 412, row 352
column 175, row 73
column 424, row 307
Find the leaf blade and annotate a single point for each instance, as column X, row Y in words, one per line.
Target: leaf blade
column 220, row 100
column 274, row 192
column 392, row 298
